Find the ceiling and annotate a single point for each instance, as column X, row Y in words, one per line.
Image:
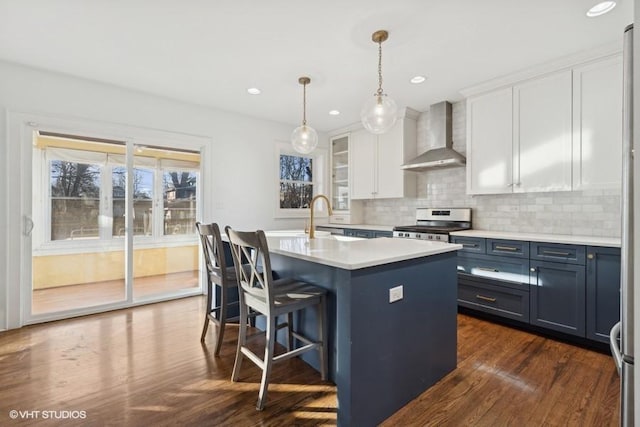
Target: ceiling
column 209, row 52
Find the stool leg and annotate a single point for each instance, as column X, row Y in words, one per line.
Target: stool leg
column 267, row 361
column 242, row 339
column 222, row 320
column 322, row 336
column 289, row 331
column 207, row 311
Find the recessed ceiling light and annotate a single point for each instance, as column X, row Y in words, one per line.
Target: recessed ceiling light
column 334, row 113
column 418, row 79
column 253, row 91
column 601, row 8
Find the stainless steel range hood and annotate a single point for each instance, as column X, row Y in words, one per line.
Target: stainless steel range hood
column 442, row 155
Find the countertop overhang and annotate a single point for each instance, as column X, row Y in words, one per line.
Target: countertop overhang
column 351, row 253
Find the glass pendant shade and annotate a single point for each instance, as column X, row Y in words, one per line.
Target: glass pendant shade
column 379, row 114
column 304, row 139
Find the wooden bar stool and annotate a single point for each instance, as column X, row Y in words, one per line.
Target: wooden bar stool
column 218, row 274
column 261, row 293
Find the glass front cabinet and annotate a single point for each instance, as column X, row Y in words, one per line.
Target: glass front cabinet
column 340, row 172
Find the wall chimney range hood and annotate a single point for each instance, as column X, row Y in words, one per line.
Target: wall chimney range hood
column 442, row 155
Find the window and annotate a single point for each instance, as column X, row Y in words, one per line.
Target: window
column 75, row 200
column 142, row 201
column 87, row 187
column 296, row 181
column 299, row 178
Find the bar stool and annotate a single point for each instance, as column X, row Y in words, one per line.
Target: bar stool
column 272, row 298
column 219, row 274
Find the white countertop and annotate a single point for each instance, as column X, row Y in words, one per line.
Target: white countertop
column 613, row 242
column 375, row 227
column 352, row 253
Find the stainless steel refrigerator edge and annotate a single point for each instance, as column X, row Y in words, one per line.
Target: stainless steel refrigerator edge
column 622, row 334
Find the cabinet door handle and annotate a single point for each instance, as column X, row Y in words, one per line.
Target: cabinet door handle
column 493, row 270
column 505, row 248
column 591, row 256
column 532, row 269
column 483, row 298
column 555, row 253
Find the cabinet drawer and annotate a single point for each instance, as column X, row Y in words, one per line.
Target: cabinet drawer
column 511, row 248
column 383, row 234
column 470, row 244
column 481, row 295
column 512, row 270
column 359, row 233
column 571, row 254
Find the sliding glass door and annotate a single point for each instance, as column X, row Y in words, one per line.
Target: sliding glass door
column 111, row 224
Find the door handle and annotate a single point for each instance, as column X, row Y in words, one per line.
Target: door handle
column 548, row 252
column 505, row 248
column 615, row 347
column 28, row 226
column 483, row 298
column 491, row 269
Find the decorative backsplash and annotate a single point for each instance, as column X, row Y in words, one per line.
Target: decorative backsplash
column 586, row 213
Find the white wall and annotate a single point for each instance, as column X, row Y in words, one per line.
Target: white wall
column 587, row 213
column 240, row 181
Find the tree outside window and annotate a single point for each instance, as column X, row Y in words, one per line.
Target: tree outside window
column 296, row 181
column 75, row 200
column 179, row 197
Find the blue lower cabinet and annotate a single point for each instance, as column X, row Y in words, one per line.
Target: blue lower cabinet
column 510, row 300
column 470, row 244
column 383, row 234
column 603, row 291
column 557, row 296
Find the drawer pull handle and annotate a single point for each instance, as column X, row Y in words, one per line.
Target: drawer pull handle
column 469, row 245
column 483, row 298
column 506, row 248
column 493, row 270
column 556, row 253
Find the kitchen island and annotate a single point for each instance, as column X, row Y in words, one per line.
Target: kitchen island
column 381, row 354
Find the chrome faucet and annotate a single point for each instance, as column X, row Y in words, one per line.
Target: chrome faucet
column 313, row 202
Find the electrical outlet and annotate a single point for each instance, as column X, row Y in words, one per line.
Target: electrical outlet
column 395, row 294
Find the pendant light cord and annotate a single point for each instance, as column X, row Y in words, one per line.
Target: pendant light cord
column 304, row 104
column 380, row 92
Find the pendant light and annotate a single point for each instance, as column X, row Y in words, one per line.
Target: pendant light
column 378, row 114
column 304, row 138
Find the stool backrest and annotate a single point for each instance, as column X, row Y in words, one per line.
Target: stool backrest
column 213, row 250
column 253, row 266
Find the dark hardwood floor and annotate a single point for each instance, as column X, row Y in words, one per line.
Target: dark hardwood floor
column 146, row 366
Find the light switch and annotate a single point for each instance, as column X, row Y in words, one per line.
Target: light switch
column 395, row 294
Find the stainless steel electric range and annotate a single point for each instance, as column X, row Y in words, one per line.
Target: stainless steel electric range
column 435, row 224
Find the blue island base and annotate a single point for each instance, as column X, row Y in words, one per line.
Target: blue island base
column 382, row 355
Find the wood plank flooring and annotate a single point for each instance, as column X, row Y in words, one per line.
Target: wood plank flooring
column 146, row 366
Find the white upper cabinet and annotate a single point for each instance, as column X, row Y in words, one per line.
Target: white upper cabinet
column 542, row 134
column 597, row 121
column 489, row 143
column 376, row 161
column 555, row 131
column 363, row 164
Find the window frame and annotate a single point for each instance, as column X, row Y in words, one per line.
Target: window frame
column 319, row 181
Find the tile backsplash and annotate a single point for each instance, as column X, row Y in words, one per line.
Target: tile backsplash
column 586, row 213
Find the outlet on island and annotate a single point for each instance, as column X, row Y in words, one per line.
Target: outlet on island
column 395, row 294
